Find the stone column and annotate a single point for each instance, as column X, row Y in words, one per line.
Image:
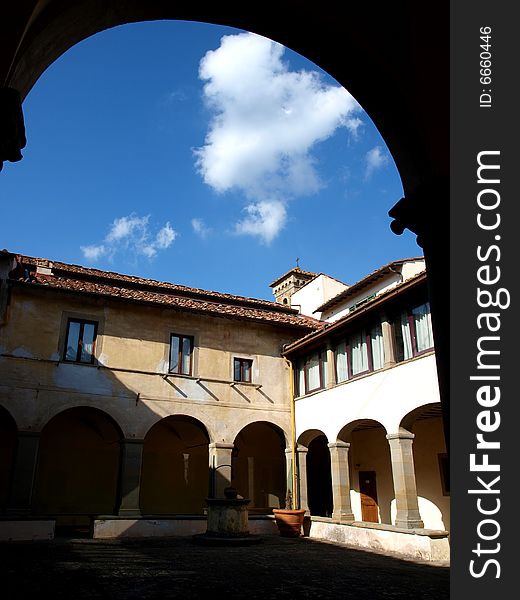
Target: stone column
column 403, row 473
column 130, row 466
column 331, row 370
column 219, row 468
column 388, row 342
column 301, row 458
column 24, row 470
column 340, row 482
column 251, row 480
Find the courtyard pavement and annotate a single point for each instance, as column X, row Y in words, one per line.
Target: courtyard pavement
column 277, row 568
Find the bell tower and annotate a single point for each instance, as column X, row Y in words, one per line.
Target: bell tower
column 289, row 283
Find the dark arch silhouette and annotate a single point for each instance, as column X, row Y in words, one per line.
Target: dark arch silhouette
column 258, row 465
column 8, row 431
column 78, row 465
column 393, row 58
column 175, row 467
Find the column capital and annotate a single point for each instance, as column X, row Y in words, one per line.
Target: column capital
column 400, row 436
column 29, row 434
column 223, row 445
column 131, row 441
column 339, row 444
column 302, row 449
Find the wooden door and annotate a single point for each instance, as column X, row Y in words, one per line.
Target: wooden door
column 368, row 491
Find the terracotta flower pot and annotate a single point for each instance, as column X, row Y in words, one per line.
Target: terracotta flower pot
column 289, row 521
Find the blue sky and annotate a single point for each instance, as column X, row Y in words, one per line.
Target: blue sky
column 201, row 155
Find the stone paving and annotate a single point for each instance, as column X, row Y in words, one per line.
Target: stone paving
column 277, row 568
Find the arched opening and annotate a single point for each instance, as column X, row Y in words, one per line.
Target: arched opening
column 78, row 467
column 8, row 431
column 431, row 465
column 370, row 469
column 319, row 478
column 258, row 466
column 396, row 88
column 129, row 135
column 175, row 468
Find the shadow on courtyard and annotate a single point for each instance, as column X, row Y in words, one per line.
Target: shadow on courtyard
column 276, row 568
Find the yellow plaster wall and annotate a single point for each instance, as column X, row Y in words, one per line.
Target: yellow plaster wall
column 132, row 352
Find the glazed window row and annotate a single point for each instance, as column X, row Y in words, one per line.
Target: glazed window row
column 80, row 347
column 362, row 351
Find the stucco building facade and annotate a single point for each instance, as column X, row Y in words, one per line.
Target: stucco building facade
column 125, row 403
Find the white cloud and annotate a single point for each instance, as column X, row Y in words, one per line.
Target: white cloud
column 266, row 121
column 264, row 219
column 131, row 234
column 375, row 159
column 93, row 253
column 200, row 228
column 126, row 227
column 165, row 236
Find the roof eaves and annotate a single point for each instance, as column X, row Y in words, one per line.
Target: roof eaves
column 314, row 335
column 293, row 270
column 367, row 280
column 89, row 273
column 211, row 308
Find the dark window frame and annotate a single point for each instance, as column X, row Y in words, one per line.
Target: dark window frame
column 320, row 371
column 348, row 349
column 79, row 349
column 368, row 342
column 180, row 362
column 241, row 362
column 397, row 333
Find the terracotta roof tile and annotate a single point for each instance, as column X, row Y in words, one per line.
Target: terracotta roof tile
column 77, row 279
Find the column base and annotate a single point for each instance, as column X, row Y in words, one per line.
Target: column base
column 129, row 512
column 18, row 512
column 343, row 517
column 410, row 524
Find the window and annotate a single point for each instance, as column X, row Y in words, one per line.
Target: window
column 310, row 373
column 181, row 352
column 413, row 332
column 360, row 353
column 80, row 341
column 341, row 362
column 242, row 368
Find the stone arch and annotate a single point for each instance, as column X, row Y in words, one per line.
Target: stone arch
column 78, row 466
column 385, row 93
column 426, row 411
column 306, row 437
column 394, row 88
column 245, row 420
column 55, row 409
column 8, row 439
column 318, row 468
column 175, row 468
column 370, row 470
column 259, row 465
